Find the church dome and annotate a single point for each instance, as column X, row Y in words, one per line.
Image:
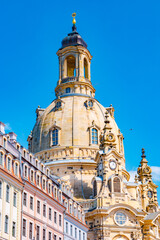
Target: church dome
column 73, row 39
column 70, row 132
column 74, row 117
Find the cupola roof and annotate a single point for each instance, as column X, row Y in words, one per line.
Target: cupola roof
column 73, row 38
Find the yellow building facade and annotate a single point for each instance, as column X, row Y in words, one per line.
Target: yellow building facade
column 80, row 141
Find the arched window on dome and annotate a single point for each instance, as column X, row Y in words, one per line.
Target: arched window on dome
column 85, row 68
column 94, row 136
column 71, row 66
column 55, row 137
column 116, row 185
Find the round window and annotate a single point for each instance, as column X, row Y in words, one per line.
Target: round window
column 120, row 218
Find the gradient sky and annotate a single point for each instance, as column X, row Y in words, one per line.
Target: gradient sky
column 124, row 40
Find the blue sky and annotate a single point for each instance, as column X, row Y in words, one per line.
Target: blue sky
column 124, row 39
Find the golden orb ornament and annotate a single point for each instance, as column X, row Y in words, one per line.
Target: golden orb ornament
column 74, row 20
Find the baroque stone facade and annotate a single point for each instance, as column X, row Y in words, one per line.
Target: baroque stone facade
column 79, row 140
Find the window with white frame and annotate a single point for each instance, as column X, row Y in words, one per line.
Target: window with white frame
column 6, row 224
column 25, row 171
column 44, row 184
column 31, row 202
column 32, row 176
column 60, row 220
column 84, row 236
column 49, row 236
column 55, row 217
column 15, row 199
column 44, row 210
column 44, row 234
column 38, row 206
column 38, row 180
column 24, row 227
column 49, row 188
column 38, row 233
column 79, row 234
column 66, row 227
column 13, row 229
column 7, row 193
column 55, row 237
column 71, row 230
column 30, row 230
column 16, row 169
column 75, row 233
column 25, row 199
column 1, row 158
column 50, row 214
column 9, row 164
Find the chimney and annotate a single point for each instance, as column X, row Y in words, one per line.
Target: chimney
column 13, row 137
column 2, row 128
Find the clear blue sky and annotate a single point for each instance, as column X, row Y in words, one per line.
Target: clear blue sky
column 124, row 39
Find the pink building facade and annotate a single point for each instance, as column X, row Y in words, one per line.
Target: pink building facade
column 45, row 206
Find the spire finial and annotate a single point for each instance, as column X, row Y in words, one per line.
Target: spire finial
column 143, row 153
column 74, row 20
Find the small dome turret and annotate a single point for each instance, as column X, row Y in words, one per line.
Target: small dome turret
column 73, row 38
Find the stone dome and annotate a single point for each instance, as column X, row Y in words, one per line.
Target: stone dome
column 70, row 132
column 74, row 118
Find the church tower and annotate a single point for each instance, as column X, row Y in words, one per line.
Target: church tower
column 67, row 133
column 79, row 140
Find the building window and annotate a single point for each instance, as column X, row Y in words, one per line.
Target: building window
column 25, row 199
column 44, row 210
column 38, row 233
column 55, row 137
column 84, row 236
column 44, row 234
column 15, row 199
column 31, row 175
column 9, row 164
column 94, row 136
column 38, row 180
column 71, row 230
column 55, row 237
column 55, row 217
column 7, row 193
column 120, row 218
column 16, row 169
column 38, row 206
column 50, row 214
column 76, row 233
column 66, row 227
column 71, row 66
column 1, row 158
column 31, row 203
column 58, row 105
column 44, row 184
column 60, row 220
column 79, row 234
column 0, row 189
column 49, row 236
column 116, row 184
column 6, row 224
column 25, row 171
column 4, row 142
column 68, row 90
column 49, row 188
column 24, row 227
column 149, row 194
column 70, row 208
column 13, row 229
column 85, row 68
column 30, row 230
